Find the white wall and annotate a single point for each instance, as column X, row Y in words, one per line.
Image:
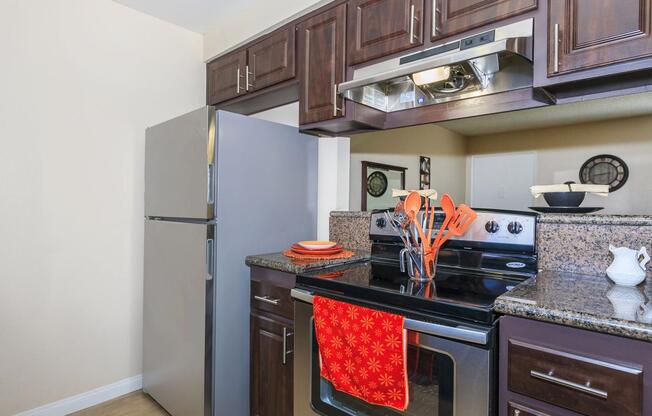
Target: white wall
column 286, row 114
column 241, row 23
column 402, row 147
column 79, row 82
column 561, row 151
column 333, row 181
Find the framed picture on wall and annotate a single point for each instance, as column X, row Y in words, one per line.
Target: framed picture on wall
column 424, row 172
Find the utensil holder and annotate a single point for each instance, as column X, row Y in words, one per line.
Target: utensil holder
column 413, row 261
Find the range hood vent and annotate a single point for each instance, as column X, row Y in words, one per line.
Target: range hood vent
column 488, row 63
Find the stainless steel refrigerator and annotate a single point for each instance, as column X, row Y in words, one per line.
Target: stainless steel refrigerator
column 218, row 187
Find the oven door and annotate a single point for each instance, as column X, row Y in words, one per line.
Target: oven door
column 447, row 377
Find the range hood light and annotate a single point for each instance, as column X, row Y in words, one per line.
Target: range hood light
column 432, row 75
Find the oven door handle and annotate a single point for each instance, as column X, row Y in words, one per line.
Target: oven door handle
column 474, row 336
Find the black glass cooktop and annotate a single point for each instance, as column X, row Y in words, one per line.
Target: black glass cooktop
column 454, row 293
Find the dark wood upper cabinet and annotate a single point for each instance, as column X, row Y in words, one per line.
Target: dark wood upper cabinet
column 382, row 27
column 584, row 34
column 271, row 60
column 322, row 65
column 456, row 16
column 226, row 77
column 271, row 366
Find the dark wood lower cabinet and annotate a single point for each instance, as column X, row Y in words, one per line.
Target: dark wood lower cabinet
column 271, row 343
column 271, row 365
column 514, row 409
column 554, row 370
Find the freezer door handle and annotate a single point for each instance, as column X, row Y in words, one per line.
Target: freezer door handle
column 210, row 197
column 209, row 259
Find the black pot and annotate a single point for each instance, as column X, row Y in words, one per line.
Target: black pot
column 564, row 199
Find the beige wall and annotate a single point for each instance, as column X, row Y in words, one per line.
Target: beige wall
column 79, row 82
column 561, row 151
column 402, row 147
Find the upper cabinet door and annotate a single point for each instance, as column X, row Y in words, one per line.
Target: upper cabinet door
column 321, row 65
column 383, row 27
column 456, row 16
column 584, row 34
column 226, row 77
column 271, row 60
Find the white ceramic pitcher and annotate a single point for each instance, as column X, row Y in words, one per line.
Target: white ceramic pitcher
column 628, row 269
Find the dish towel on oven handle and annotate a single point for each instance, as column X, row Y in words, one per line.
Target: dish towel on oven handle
column 362, row 352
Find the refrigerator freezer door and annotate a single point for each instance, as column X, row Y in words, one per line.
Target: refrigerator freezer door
column 177, row 316
column 179, row 167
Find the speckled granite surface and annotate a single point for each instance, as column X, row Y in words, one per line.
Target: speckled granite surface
column 590, row 302
column 278, row 261
column 595, row 219
column 572, row 243
column 351, row 229
column 583, row 247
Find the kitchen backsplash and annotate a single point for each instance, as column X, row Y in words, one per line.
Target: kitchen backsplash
column 580, row 243
column 571, row 243
column 351, row 229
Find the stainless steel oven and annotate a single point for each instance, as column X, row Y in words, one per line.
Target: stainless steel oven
column 450, row 321
column 449, row 370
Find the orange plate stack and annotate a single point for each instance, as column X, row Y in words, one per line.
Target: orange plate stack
column 298, row 249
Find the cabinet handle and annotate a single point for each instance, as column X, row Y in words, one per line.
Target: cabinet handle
column 335, row 107
column 286, row 334
column 583, row 388
column 556, row 49
column 237, row 81
column 517, row 412
column 412, row 19
column 247, row 84
column 435, row 10
column 267, row 299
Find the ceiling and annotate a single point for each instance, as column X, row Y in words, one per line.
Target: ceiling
column 554, row 115
column 196, row 15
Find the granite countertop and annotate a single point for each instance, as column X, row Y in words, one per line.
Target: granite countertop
column 590, row 302
column 595, row 219
column 278, row 261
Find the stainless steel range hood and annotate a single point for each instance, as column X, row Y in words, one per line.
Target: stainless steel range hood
column 488, row 63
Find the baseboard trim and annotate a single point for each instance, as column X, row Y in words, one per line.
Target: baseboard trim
column 90, row 398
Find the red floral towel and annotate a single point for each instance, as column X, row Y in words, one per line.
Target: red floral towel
column 363, row 352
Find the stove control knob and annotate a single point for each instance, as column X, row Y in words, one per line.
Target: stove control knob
column 381, row 222
column 515, row 227
column 492, row 227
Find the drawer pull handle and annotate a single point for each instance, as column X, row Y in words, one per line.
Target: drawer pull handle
column 267, row 299
column 551, row 378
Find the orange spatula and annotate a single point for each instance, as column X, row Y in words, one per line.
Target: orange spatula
column 464, row 217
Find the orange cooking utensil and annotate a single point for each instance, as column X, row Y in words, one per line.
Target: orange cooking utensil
column 412, row 208
column 464, row 217
column 448, row 206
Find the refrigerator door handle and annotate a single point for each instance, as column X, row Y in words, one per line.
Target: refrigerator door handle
column 209, row 259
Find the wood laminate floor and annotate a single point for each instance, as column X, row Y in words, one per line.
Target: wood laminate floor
column 133, row 404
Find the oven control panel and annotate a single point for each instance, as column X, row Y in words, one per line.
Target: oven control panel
column 491, row 226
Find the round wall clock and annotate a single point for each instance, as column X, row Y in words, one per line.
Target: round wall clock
column 376, row 184
column 605, row 170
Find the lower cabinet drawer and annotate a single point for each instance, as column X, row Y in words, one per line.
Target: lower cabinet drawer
column 266, row 296
column 515, row 409
column 582, row 384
